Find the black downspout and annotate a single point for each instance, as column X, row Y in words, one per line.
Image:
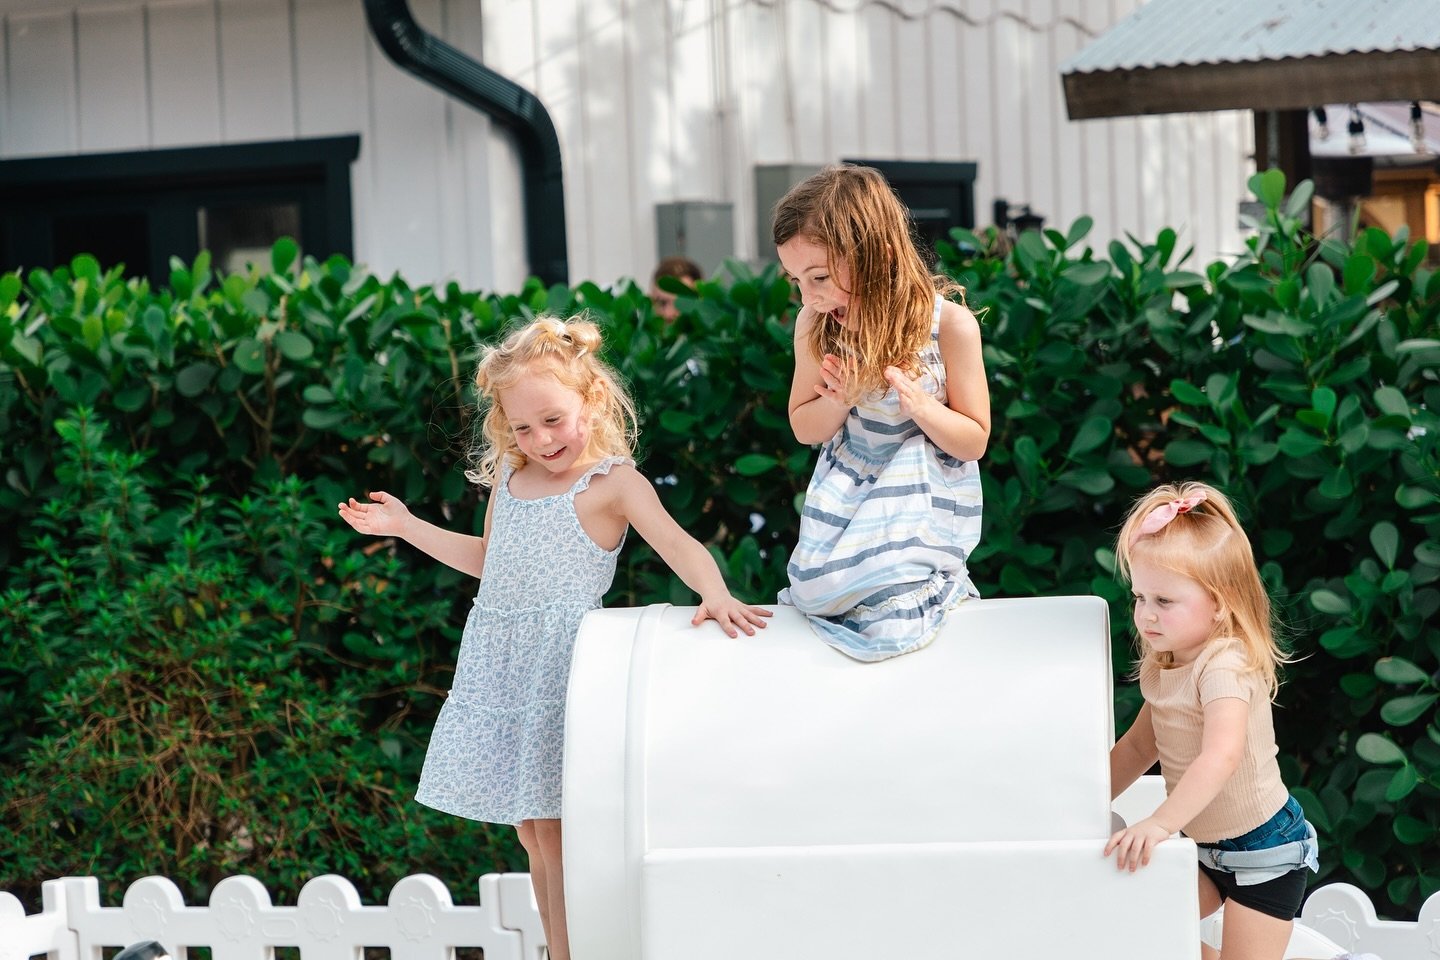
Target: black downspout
column 517, row 109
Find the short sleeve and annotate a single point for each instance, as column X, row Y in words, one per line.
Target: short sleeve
column 1224, row 673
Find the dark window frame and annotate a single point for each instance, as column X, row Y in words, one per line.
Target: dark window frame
column 169, row 187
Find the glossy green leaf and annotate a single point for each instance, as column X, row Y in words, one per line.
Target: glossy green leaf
column 318, row 418
column 1188, row 393
column 29, row 349
column 1297, row 443
column 1385, row 540
column 249, row 356
column 1392, row 401
column 10, row 286
column 283, row 254
column 1382, row 751
column 1187, row 453
column 1415, row 498
column 1337, row 484
column 1400, row 711
column 753, row 464
column 1402, row 784
column 1412, row 831
column 1328, row 601
column 1359, row 271
column 195, row 378
column 1087, row 274
column 1269, row 186
column 1091, row 481
column 294, row 345
column 1092, row 433
column 1298, row 203
column 1078, row 230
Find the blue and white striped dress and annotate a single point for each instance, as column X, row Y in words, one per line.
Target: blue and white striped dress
column 889, row 522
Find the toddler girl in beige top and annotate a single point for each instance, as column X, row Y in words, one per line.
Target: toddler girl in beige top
column 1208, row 673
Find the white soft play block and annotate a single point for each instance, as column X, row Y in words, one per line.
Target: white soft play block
column 1017, row 900
column 745, row 791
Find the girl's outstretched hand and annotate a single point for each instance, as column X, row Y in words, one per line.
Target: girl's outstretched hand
column 730, row 613
column 383, row 516
column 912, row 397
column 1132, row 845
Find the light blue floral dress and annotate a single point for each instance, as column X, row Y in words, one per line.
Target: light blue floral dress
column 888, row 526
column 495, row 753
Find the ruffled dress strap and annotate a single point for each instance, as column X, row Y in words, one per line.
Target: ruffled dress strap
column 600, row 466
column 502, row 483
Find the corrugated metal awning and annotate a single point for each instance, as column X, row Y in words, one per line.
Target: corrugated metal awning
column 1179, row 56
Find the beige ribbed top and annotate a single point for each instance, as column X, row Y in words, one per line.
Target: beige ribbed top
column 1177, row 698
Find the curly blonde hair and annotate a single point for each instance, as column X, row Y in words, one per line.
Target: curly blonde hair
column 1208, row 545
column 853, row 213
column 568, row 350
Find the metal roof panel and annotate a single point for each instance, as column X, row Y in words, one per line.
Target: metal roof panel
column 1170, row 33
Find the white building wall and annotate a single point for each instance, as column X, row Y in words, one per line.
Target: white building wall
column 654, row 101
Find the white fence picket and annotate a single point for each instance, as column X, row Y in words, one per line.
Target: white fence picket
column 328, row 922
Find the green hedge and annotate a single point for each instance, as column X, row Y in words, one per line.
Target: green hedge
column 178, row 589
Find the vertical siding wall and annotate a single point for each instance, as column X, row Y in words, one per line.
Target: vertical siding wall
column 655, row 101
column 665, row 100
column 103, row 76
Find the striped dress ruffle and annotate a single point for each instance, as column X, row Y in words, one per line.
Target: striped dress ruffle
column 888, row 524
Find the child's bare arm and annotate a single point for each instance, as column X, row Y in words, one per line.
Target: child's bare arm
column 387, row 516
column 638, row 503
column 961, row 425
column 1222, row 744
column 1133, row 754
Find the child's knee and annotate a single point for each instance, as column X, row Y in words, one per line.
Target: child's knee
column 547, row 833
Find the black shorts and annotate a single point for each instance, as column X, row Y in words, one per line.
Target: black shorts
column 1279, row 898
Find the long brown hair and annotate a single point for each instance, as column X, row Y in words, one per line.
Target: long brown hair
column 568, row 350
column 853, row 213
column 1208, row 545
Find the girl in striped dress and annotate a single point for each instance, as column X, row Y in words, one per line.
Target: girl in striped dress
column 889, row 378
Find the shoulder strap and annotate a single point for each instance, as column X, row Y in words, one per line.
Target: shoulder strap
column 601, row 466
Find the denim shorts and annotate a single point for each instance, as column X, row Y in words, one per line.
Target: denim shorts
column 1264, row 869
column 1287, row 826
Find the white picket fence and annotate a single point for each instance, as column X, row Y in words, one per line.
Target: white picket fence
column 420, row 922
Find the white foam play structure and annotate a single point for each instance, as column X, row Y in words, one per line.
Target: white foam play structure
column 767, row 797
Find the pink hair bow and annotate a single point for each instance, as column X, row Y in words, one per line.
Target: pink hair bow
column 1156, row 519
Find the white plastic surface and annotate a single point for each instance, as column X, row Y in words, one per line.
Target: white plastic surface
column 1015, row 900
column 769, row 797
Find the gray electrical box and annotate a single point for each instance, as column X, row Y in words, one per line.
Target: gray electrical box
column 773, row 181
column 701, row 231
